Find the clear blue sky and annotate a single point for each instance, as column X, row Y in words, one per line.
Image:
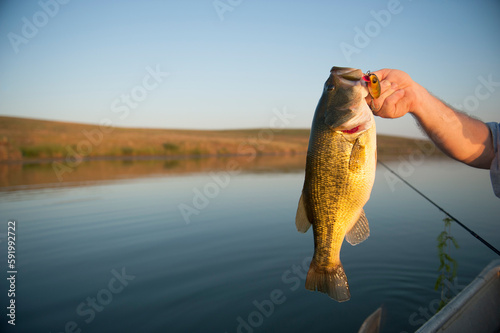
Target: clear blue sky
column 230, row 66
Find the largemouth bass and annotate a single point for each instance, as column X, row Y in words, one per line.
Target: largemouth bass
column 340, row 171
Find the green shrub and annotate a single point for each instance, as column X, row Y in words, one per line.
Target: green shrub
column 196, row 151
column 171, row 147
column 41, row 151
column 127, row 151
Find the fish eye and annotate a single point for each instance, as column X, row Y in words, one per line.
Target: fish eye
column 330, row 87
column 374, row 79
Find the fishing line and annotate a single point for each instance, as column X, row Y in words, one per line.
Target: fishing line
column 491, row 247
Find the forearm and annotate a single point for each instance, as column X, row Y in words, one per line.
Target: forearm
column 461, row 137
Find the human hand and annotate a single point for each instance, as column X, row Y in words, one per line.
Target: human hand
column 398, row 94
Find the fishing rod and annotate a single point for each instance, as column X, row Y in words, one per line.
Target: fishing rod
column 491, row 247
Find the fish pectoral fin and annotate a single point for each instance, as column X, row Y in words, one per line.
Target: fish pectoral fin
column 358, row 156
column 301, row 221
column 359, row 231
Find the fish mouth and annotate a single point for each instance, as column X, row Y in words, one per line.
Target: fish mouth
column 340, row 76
column 347, row 73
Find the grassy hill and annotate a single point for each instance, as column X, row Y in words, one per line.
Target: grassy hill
column 32, row 139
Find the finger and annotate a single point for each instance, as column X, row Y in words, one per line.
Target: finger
column 387, row 89
column 368, row 99
column 376, row 106
column 395, row 96
column 397, row 100
column 392, row 105
column 382, row 73
column 385, row 85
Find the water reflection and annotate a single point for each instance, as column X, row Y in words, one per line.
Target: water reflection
column 17, row 176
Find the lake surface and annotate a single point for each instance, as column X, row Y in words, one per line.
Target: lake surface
column 210, row 245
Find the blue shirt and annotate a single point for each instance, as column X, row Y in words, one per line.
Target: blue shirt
column 495, row 165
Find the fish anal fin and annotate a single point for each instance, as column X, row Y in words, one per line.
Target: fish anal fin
column 359, row 231
column 329, row 280
column 301, row 221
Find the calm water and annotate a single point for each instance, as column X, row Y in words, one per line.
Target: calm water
column 109, row 250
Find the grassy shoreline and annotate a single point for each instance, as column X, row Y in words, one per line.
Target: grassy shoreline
column 33, row 140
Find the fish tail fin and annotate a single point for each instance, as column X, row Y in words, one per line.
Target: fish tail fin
column 329, row 280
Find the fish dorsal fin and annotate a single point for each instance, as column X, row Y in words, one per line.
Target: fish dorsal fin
column 359, row 231
column 301, row 221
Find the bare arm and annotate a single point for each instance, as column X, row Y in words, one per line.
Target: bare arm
column 461, row 137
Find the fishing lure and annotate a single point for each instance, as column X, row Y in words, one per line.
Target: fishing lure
column 373, row 84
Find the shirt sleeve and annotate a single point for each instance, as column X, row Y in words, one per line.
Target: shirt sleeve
column 495, row 165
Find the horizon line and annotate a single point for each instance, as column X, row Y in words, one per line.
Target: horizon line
column 182, row 129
